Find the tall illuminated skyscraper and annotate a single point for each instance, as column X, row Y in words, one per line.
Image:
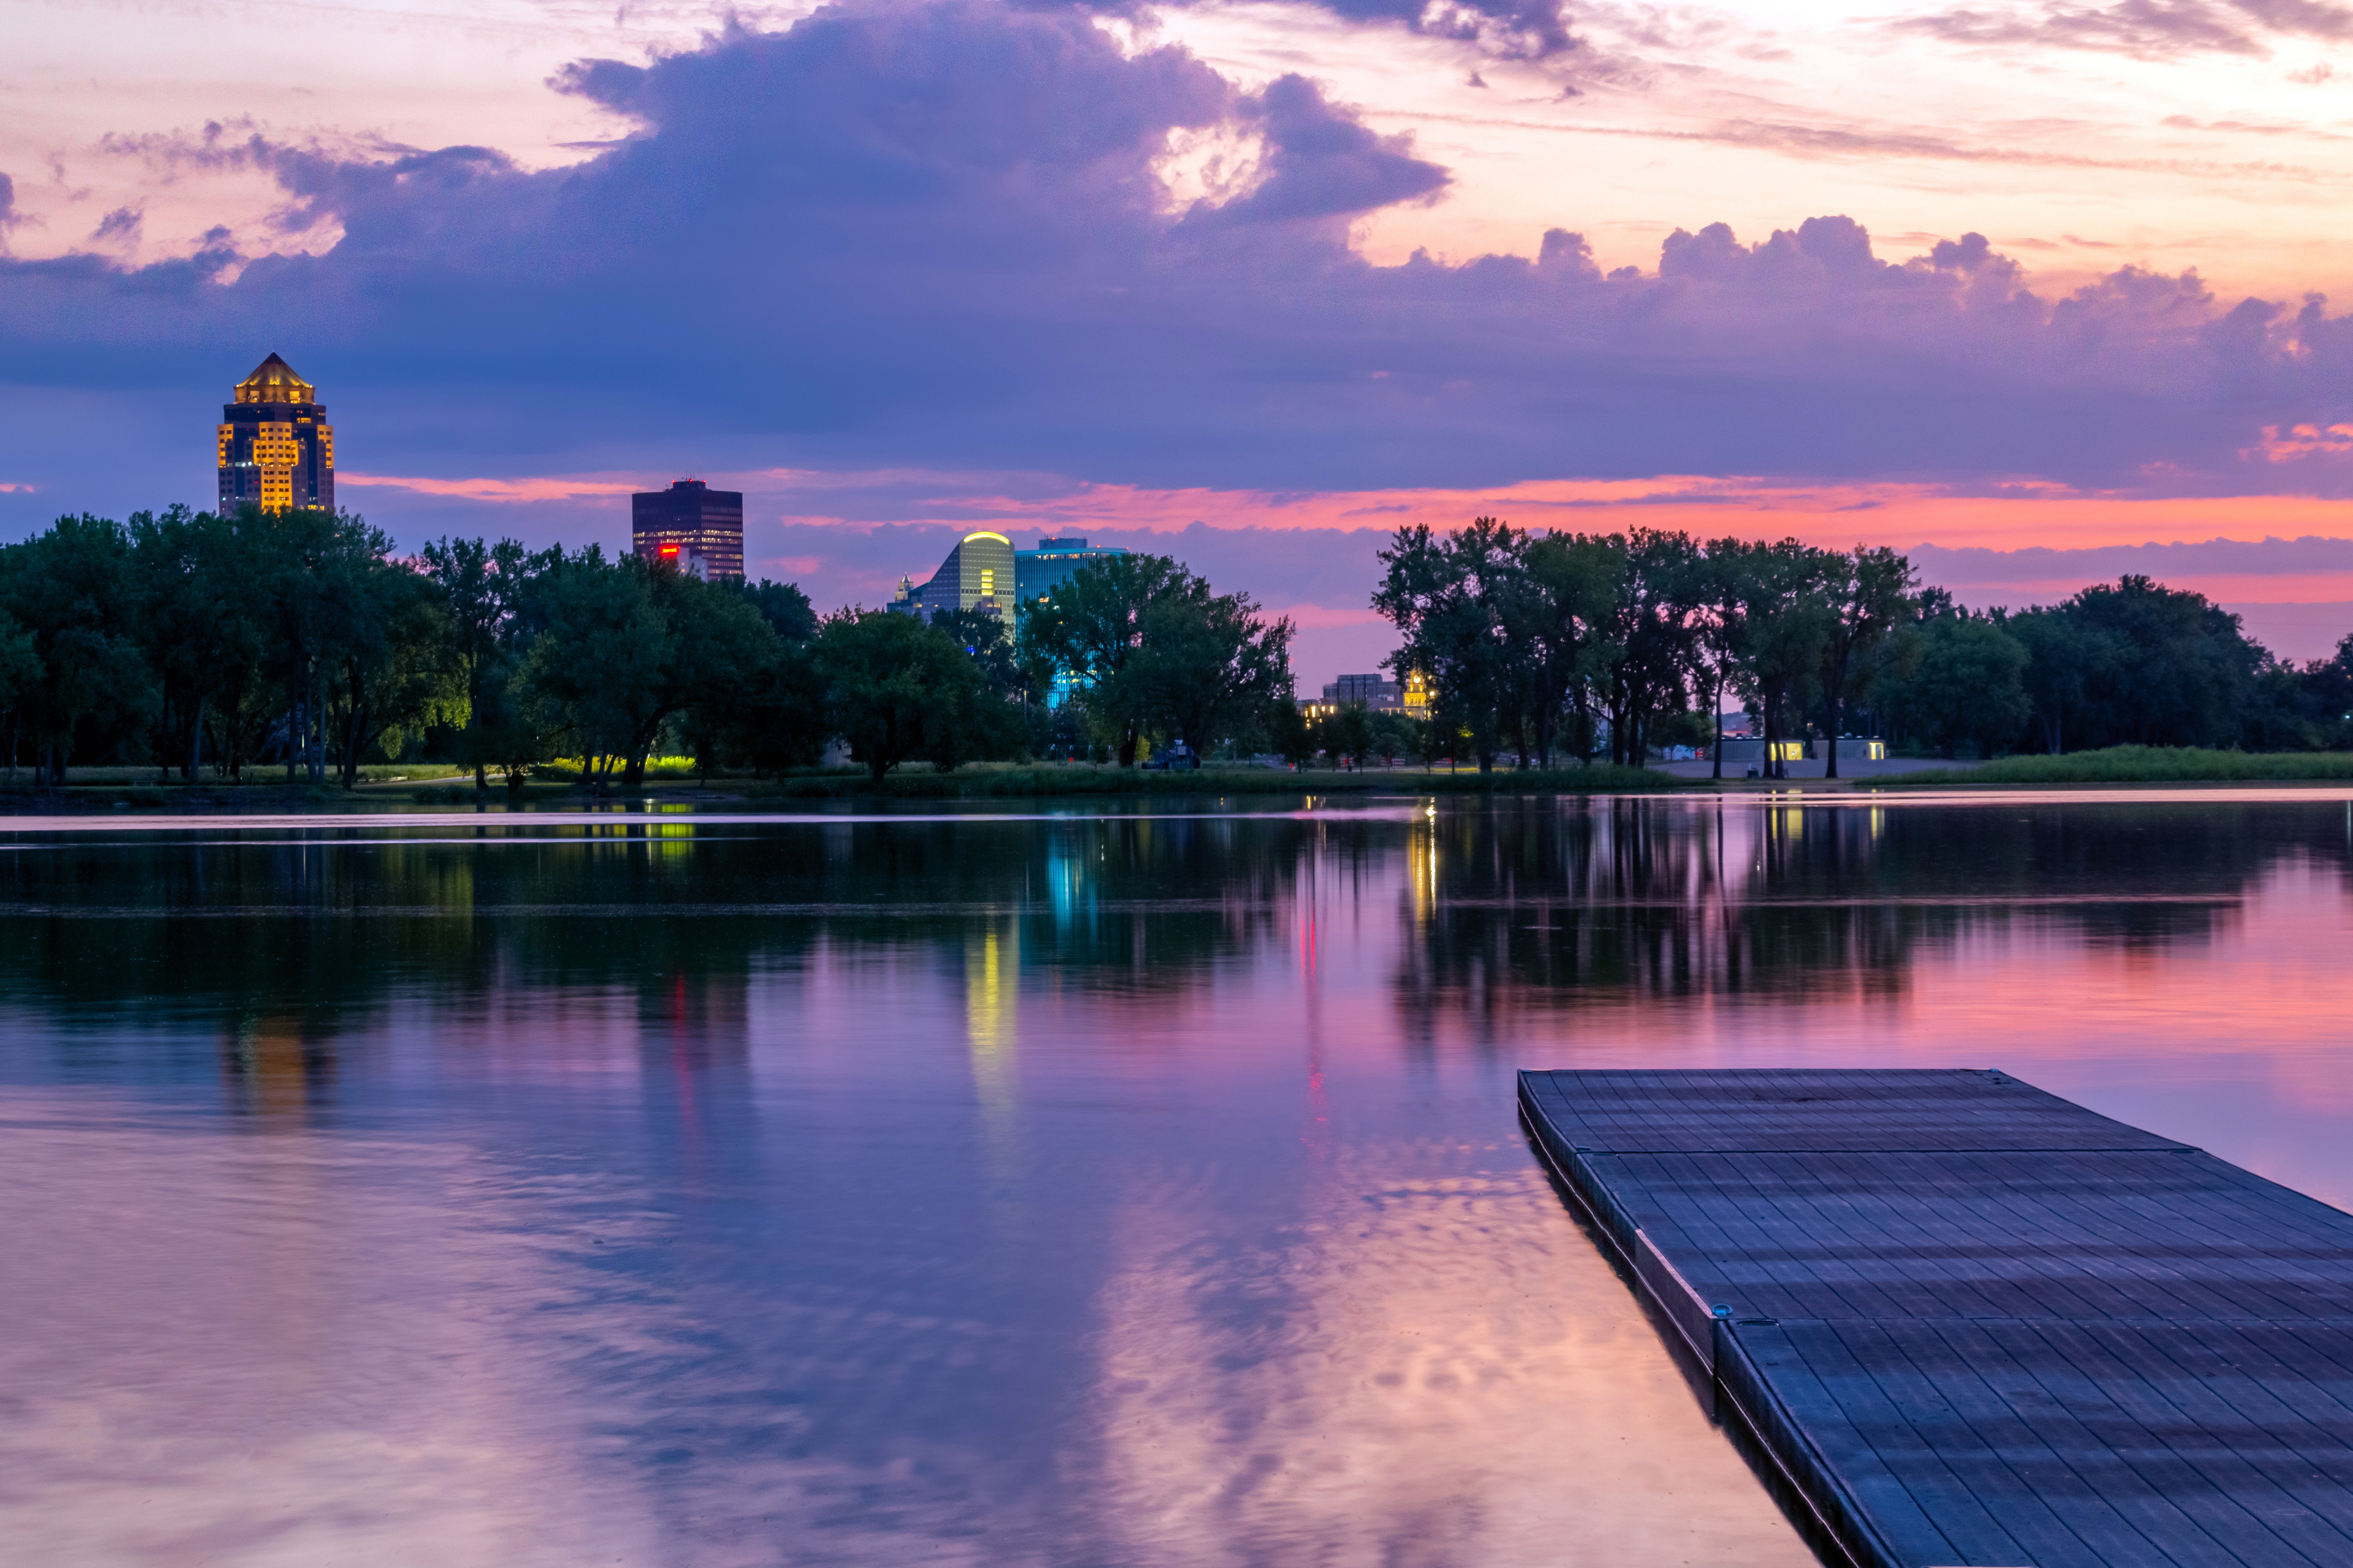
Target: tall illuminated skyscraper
column 277, row 449
column 695, row 528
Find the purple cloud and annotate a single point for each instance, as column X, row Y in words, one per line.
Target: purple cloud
column 935, row 233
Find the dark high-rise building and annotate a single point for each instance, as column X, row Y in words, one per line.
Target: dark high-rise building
column 277, row 450
column 698, row 529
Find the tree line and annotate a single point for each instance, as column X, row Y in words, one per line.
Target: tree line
column 1582, row 643
column 301, row 639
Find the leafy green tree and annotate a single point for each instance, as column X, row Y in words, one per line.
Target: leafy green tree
column 196, row 625
column 74, row 592
column 1573, row 588
column 2063, row 658
column 987, row 643
column 2328, row 686
column 1456, row 600
column 1293, row 737
column 898, row 690
column 20, row 676
column 1092, row 627
column 1395, row 735
column 1969, row 684
column 1864, row 597
column 1649, row 637
column 622, row 648
column 1719, row 595
column 785, row 609
column 1348, row 734
column 1206, row 666
column 1785, row 624
column 2168, row 667
column 390, row 667
column 483, row 588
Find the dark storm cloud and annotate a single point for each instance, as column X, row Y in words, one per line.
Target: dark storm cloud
column 935, row 234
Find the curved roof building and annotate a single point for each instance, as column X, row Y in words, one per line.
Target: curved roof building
column 976, row 576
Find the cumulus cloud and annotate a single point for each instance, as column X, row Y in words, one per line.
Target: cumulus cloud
column 943, row 233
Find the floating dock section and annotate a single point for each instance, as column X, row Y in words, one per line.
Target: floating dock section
column 1969, row 1322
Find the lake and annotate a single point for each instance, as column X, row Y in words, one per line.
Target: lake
column 1133, row 1186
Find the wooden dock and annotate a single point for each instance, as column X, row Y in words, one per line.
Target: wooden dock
column 1969, row 1322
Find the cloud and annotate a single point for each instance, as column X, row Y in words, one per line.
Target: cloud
column 2146, row 29
column 508, row 493
column 941, row 235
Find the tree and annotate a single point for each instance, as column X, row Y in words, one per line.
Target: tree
column 1456, row 602
column 1784, row 620
column 1968, row 684
column 621, row 648
column 2168, row 667
column 20, row 676
column 2062, row 654
column 897, row 689
column 73, row 592
column 785, row 609
column 1648, row 639
column 483, row 587
column 1293, row 737
column 196, row 625
column 1719, row 597
column 1090, row 628
column 1572, row 587
column 1863, row 596
column 389, row 664
column 1348, row 733
column 985, row 641
column 1206, row 665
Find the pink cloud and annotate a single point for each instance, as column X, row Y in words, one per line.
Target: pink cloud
column 506, row 492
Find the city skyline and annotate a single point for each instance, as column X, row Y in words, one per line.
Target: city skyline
column 2030, row 292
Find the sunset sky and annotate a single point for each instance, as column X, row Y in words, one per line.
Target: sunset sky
column 2043, row 292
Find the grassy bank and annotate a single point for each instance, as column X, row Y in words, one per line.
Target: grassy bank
column 265, row 793
column 2140, row 764
column 992, row 782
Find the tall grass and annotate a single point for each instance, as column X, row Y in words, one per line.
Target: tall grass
column 2138, row 764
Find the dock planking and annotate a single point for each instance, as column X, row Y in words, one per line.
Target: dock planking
column 1972, row 1323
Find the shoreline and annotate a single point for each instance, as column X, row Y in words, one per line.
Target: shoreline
column 229, row 799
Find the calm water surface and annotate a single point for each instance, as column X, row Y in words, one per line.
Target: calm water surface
column 1101, row 1188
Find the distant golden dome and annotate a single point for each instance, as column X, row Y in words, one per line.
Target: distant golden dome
column 274, row 381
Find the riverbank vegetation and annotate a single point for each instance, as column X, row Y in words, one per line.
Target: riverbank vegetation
column 300, row 643
column 210, row 647
column 1620, row 644
column 2141, row 764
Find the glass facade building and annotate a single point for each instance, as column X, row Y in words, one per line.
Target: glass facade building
column 977, row 575
column 1037, row 572
column 697, row 528
column 275, row 449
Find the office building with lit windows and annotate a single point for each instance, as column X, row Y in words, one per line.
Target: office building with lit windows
column 693, row 527
column 1037, row 572
column 275, row 448
column 976, row 576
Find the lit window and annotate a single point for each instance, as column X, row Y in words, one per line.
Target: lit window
column 987, row 582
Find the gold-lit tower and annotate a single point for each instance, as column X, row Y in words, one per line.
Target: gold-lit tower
column 277, row 449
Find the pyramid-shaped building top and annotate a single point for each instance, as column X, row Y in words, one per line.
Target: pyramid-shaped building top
column 274, row 381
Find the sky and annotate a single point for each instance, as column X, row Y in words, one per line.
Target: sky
column 2039, row 292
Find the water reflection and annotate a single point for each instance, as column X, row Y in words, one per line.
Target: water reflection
column 995, row 1190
